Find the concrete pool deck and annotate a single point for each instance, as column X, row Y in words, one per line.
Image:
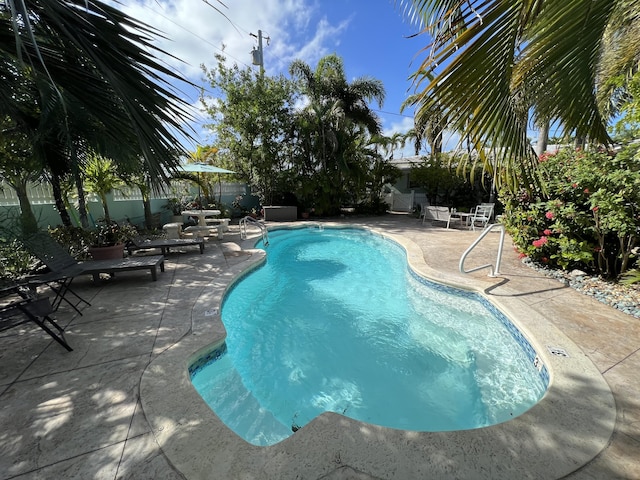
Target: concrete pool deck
column 118, row 406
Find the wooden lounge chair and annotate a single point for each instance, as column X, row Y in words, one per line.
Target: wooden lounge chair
column 63, row 265
column 165, row 244
column 37, row 311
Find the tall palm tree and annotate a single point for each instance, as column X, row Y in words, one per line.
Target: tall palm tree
column 337, row 117
column 328, row 84
column 486, row 57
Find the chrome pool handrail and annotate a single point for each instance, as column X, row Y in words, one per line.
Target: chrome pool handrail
column 492, row 273
column 253, row 221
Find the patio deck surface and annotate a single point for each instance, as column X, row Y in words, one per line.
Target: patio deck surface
column 104, row 411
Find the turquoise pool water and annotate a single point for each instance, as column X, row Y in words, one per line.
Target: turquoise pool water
column 335, row 321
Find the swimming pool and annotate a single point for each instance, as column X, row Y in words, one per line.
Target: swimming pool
column 335, row 321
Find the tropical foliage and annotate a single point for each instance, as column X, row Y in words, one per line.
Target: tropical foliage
column 81, row 77
column 444, row 185
column 492, row 63
column 321, row 156
column 251, row 122
column 334, row 156
column 588, row 216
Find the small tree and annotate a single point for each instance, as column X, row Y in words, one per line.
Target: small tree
column 445, row 185
column 252, row 124
column 101, row 178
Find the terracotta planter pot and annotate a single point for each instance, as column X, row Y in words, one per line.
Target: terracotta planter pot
column 107, row 253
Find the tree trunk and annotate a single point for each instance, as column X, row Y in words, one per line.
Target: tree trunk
column 148, row 216
column 65, row 218
column 105, row 207
column 436, row 143
column 543, row 138
column 82, row 200
column 28, row 221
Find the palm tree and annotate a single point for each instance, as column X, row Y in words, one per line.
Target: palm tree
column 333, row 123
column 488, row 57
column 389, row 144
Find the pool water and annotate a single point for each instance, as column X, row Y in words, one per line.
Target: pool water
column 335, row 321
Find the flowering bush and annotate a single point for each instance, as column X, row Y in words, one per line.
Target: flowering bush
column 588, row 216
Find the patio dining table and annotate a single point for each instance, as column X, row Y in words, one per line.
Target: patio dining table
column 201, row 215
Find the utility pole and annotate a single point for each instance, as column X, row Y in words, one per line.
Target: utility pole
column 257, row 55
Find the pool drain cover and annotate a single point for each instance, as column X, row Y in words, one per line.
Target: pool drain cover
column 557, row 351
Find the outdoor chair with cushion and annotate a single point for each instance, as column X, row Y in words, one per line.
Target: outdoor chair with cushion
column 435, row 214
column 37, row 311
column 164, row 244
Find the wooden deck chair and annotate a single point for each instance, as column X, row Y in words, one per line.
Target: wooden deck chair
column 32, row 310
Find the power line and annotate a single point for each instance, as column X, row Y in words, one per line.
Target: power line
column 238, row 28
column 391, row 113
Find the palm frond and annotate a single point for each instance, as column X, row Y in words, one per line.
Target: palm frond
column 104, row 62
column 491, row 62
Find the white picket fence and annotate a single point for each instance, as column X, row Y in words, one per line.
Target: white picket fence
column 42, row 193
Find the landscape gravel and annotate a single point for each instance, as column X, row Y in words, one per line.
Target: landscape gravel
column 625, row 298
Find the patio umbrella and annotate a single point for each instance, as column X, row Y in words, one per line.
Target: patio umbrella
column 202, row 168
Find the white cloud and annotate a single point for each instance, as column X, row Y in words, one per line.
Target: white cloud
column 195, row 31
column 402, row 126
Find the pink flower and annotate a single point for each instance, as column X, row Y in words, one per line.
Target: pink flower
column 595, row 209
column 547, row 232
column 549, row 215
column 540, row 242
column 544, row 259
column 522, row 255
column 574, row 185
column 586, row 190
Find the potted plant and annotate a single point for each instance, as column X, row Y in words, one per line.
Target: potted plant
column 109, row 240
column 176, row 207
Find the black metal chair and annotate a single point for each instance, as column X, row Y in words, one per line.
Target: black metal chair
column 35, row 310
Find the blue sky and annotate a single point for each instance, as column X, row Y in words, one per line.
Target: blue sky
column 370, row 35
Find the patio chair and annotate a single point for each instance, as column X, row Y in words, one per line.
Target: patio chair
column 482, row 215
column 32, row 310
column 63, row 265
column 435, row 214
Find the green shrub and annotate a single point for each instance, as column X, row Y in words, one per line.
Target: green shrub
column 76, row 240
column 15, row 261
